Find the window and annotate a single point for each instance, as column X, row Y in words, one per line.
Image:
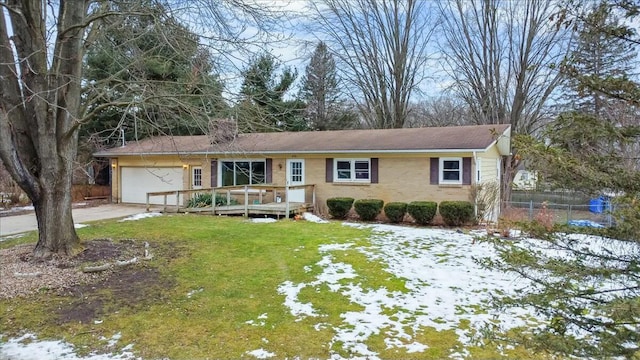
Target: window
column 196, row 177
column 242, row 172
column 352, row 170
column 450, row 170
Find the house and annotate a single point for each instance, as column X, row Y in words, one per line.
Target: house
column 525, row 180
column 408, row 164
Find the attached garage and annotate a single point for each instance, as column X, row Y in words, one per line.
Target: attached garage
column 138, row 181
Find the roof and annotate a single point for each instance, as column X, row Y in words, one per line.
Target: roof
column 428, row 139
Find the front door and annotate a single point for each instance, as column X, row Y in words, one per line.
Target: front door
column 295, row 176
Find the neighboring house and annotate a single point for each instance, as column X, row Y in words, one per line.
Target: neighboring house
column 525, row 180
column 393, row 164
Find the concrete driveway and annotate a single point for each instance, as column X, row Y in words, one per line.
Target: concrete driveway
column 16, row 224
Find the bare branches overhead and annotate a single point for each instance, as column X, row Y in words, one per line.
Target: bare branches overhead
column 382, row 48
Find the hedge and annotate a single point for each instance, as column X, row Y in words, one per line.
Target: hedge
column 368, row 209
column 422, row 212
column 339, row 206
column 395, row 211
column 456, row 213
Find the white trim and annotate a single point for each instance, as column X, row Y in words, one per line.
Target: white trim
column 193, row 177
column 290, row 152
column 441, row 169
column 478, row 170
column 352, row 170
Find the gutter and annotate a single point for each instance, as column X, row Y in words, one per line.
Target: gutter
column 207, row 153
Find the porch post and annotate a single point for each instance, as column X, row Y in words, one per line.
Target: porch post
column 246, row 201
column 286, row 207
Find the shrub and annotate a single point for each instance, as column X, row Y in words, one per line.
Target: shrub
column 395, row 211
column 368, row 209
column 422, row 212
column 339, row 207
column 456, row 213
column 204, row 200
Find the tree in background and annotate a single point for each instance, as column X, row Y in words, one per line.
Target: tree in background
column 145, row 56
column 600, row 70
column 439, row 111
column 263, row 106
column 587, row 288
column 503, row 58
column 142, row 56
column 382, row 49
column 42, row 107
column 325, row 110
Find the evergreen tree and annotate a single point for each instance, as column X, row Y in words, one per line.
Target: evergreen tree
column 155, row 68
column 324, row 108
column 600, row 62
column 263, row 106
column 588, row 288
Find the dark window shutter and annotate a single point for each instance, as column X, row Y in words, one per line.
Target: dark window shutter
column 435, row 171
column 466, row 171
column 374, row 170
column 329, row 170
column 214, row 173
column 268, row 176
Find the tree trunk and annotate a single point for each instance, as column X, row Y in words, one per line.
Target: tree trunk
column 56, row 232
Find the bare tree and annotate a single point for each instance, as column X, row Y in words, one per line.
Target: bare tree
column 382, row 48
column 42, row 49
column 439, row 111
column 503, row 58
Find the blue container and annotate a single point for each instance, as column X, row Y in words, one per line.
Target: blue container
column 596, row 205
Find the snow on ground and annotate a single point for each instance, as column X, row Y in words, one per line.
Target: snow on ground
column 140, row 216
column 80, row 226
column 313, row 218
column 16, row 209
column 263, row 220
column 28, row 347
column 444, row 287
column 11, row 237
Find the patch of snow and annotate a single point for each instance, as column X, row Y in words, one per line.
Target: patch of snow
column 193, row 292
column 443, row 286
column 313, row 218
column 28, row 347
column 17, row 209
column 261, row 354
column 141, row 216
column 263, row 220
column 11, row 237
column 80, row 226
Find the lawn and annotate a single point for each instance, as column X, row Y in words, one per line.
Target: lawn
column 221, row 287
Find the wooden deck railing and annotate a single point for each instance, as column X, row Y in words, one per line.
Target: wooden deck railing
column 262, row 193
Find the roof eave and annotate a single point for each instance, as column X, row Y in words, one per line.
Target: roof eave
column 208, row 153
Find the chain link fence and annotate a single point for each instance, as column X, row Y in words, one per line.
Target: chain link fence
column 597, row 212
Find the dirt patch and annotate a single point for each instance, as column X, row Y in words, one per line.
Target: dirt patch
column 85, row 297
column 130, row 288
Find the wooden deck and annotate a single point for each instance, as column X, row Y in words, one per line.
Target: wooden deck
column 272, row 209
column 256, row 200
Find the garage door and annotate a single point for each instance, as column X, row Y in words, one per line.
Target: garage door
column 138, row 181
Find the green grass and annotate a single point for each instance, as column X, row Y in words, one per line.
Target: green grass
column 232, row 269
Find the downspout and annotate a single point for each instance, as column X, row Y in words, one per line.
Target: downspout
column 475, row 181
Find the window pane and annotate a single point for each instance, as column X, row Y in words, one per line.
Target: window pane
column 451, row 175
column 362, row 170
column 344, row 169
column 242, row 173
column 257, row 172
column 197, row 176
column 451, row 164
column 227, row 173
